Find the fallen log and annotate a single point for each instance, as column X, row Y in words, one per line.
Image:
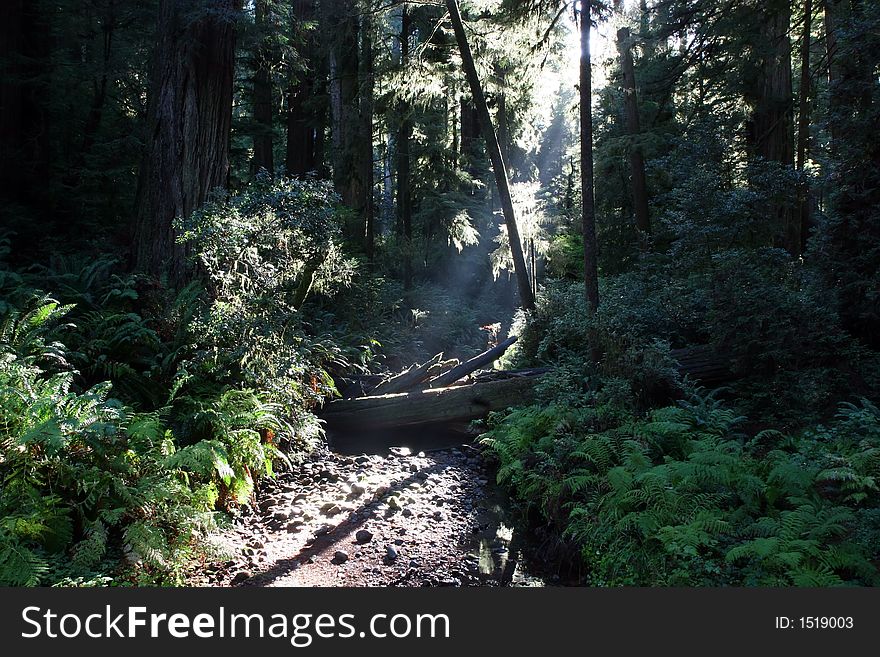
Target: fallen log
column 437, row 405
column 408, row 379
column 475, row 363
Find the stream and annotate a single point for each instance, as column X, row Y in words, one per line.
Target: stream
column 407, row 508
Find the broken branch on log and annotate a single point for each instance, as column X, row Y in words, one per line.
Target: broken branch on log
column 471, row 365
column 407, row 380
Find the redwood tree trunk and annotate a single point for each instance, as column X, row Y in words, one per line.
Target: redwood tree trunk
column 519, row 262
column 772, row 121
column 591, row 267
column 633, row 129
column 189, row 117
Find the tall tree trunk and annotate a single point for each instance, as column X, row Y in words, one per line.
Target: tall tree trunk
column 262, row 93
column 189, row 118
column 404, row 137
column 341, row 29
column 470, row 131
column 804, row 126
column 835, row 13
column 633, row 129
column 366, row 137
column 304, row 125
column 591, row 266
column 519, row 263
column 772, row 135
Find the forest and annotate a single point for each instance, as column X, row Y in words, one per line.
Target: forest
column 218, row 218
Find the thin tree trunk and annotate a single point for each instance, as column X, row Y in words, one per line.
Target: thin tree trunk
column 519, row 263
column 591, row 267
column 262, row 95
column 804, row 125
column 188, row 126
column 366, row 140
column 633, row 129
column 404, row 137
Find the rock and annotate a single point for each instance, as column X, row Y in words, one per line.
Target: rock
column 362, row 459
column 398, row 541
column 406, row 513
column 240, row 577
column 339, row 557
column 357, row 490
column 394, row 502
column 294, row 526
column 329, row 475
column 363, row 536
column 280, row 515
column 257, row 544
column 330, row 509
column 391, row 553
column 438, row 515
column 323, row 529
column 295, row 512
column 414, row 563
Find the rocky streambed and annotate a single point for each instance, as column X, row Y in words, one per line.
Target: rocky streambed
column 397, row 518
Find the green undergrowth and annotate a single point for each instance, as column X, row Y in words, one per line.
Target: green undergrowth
column 134, row 417
column 683, row 497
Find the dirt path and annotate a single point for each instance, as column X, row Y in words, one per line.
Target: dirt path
column 403, row 520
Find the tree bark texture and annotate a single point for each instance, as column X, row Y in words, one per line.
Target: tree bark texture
column 519, row 263
column 189, row 119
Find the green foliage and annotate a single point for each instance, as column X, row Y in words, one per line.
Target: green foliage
column 682, row 498
column 83, row 476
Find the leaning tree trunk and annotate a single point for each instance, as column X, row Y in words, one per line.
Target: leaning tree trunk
column 189, row 118
column 591, row 267
column 519, row 262
column 633, row 129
